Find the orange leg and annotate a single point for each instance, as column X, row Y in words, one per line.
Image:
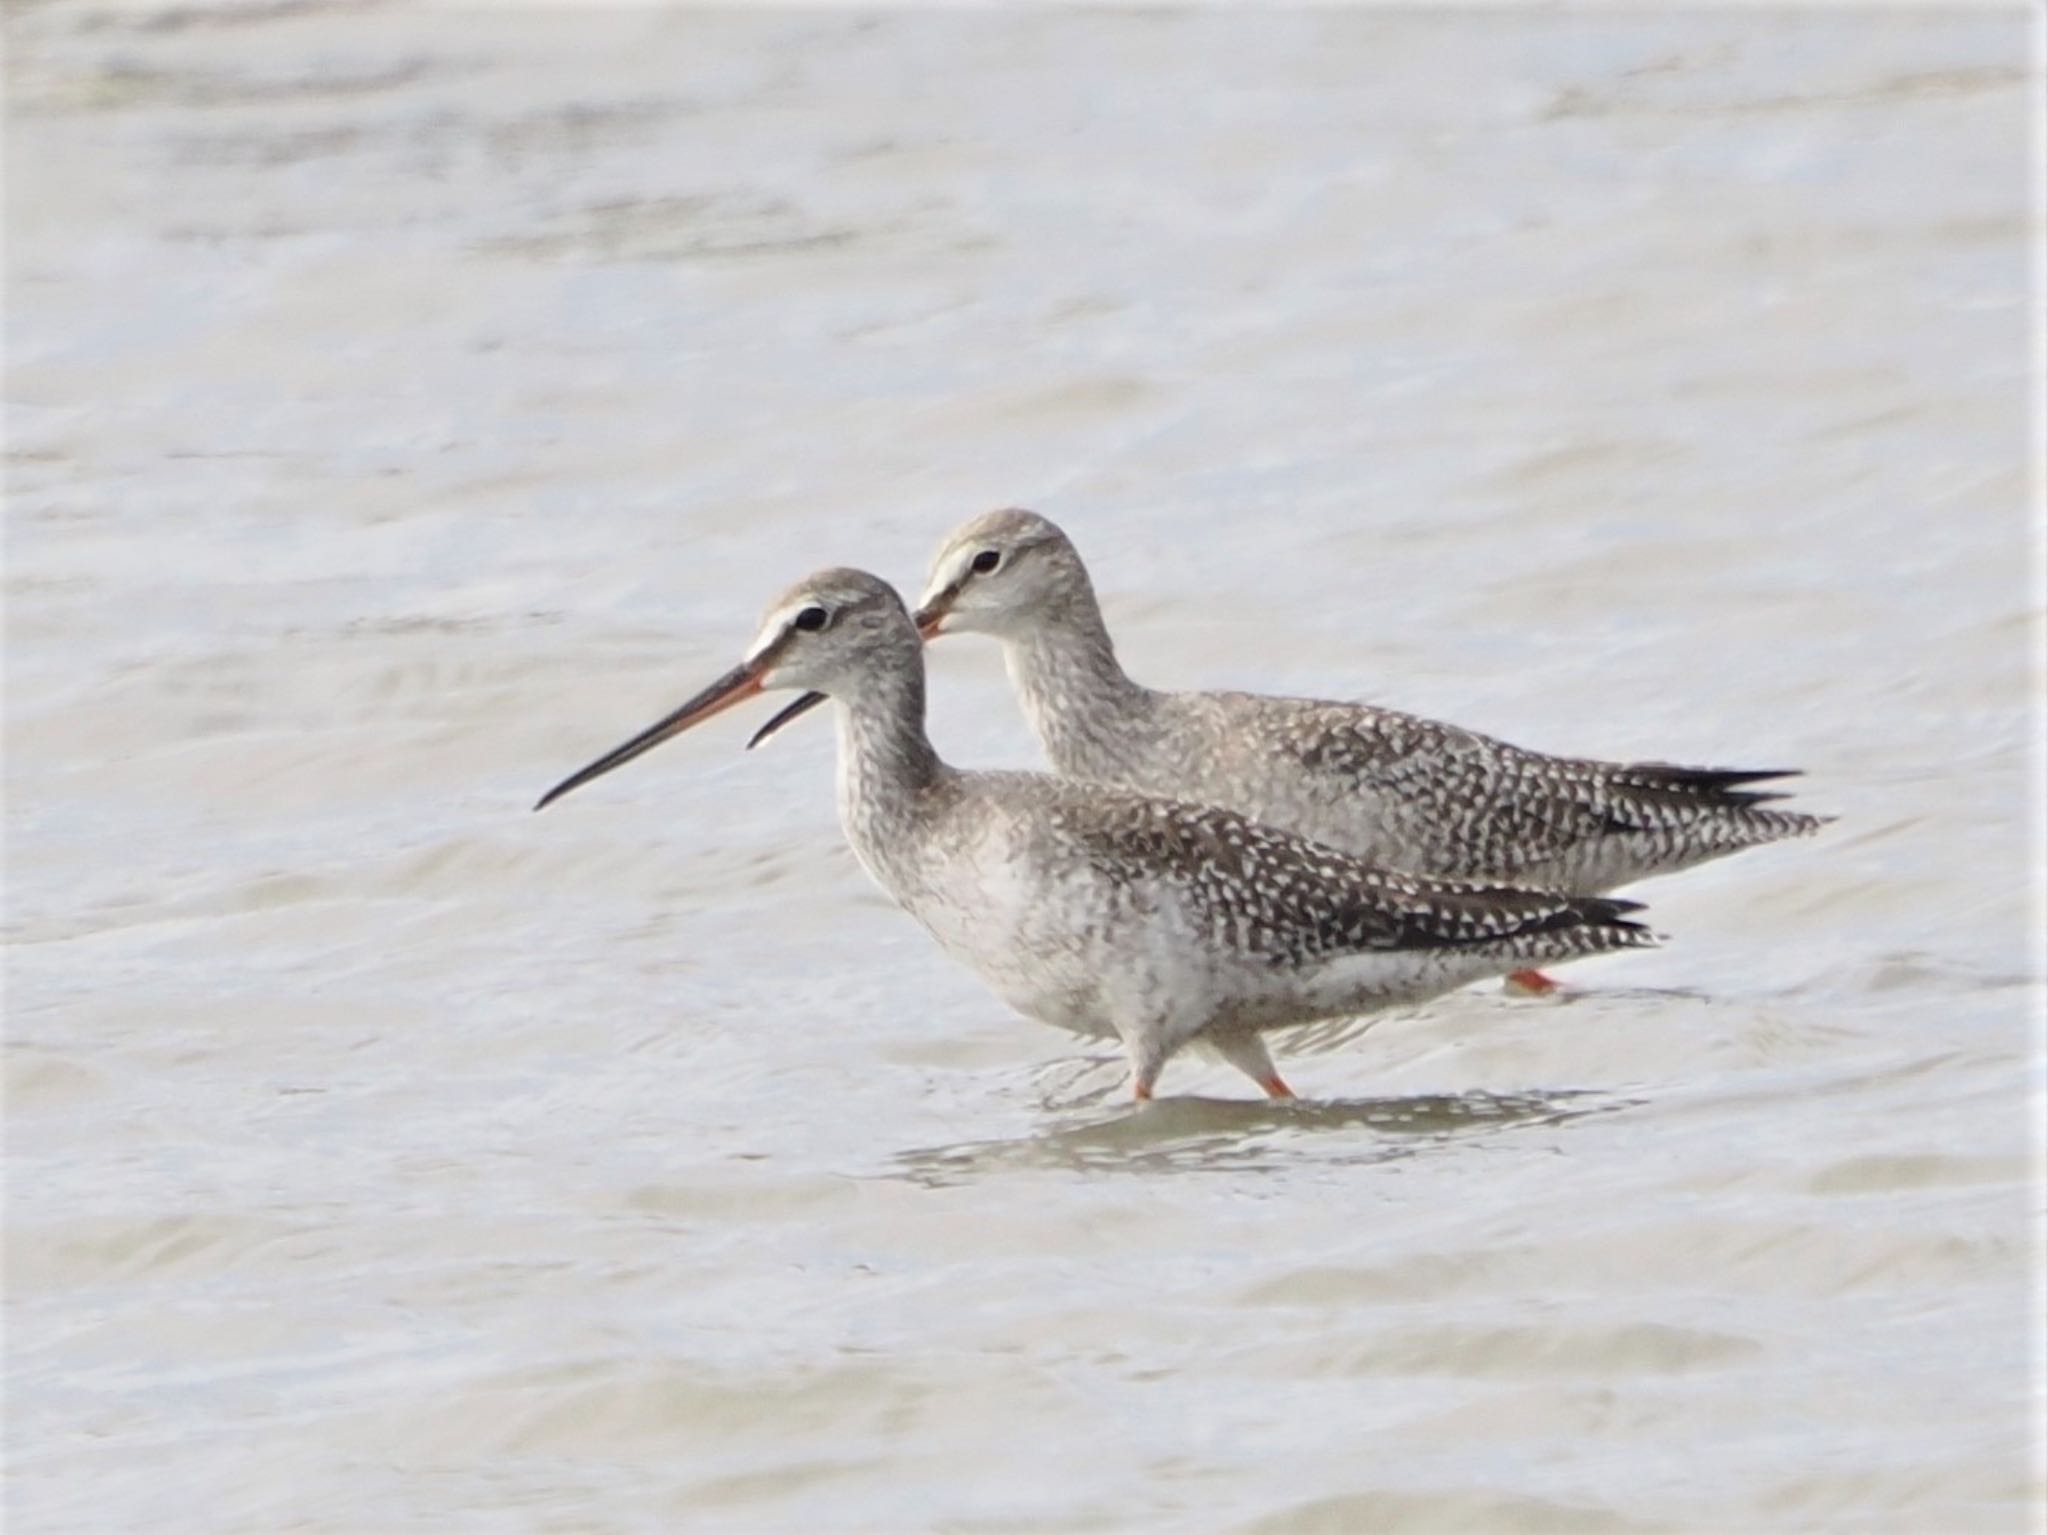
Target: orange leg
column 1147, row 1057
column 1529, row 983
column 1247, row 1052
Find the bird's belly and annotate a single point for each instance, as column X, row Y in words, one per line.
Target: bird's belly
column 1038, row 966
column 1069, row 946
column 1363, row 983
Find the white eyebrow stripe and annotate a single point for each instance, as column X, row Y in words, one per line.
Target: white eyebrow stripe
column 776, row 625
column 948, row 572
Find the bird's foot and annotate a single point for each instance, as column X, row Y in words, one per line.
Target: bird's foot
column 1530, row 983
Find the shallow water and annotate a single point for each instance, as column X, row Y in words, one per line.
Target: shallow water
column 404, row 409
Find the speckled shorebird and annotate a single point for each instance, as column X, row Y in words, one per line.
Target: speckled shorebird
column 1106, row 912
column 1406, row 791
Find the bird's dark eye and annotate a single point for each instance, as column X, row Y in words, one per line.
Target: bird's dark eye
column 812, row 619
column 987, row 561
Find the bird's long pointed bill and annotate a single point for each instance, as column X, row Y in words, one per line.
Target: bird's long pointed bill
column 804, row 705
column 927, row 620
column 736, row 686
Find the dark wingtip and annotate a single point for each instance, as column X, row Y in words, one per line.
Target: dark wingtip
column 1613, row 912
column 1729, row 778
column 1716, row 788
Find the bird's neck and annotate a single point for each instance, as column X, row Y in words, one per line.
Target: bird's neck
column 1085, row 710
column 886, row 764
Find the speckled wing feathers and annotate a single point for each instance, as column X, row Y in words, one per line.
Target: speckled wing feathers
column 1463, row 804
column 1294, row 902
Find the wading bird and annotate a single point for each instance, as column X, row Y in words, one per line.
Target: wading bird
column 1404, row 791
column 1105, row 912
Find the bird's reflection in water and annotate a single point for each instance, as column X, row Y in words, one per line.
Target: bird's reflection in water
column 1194, row 1133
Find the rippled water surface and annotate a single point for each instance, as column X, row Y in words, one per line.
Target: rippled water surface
column 406, row 404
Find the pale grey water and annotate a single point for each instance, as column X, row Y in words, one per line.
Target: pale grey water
column 407, row 404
